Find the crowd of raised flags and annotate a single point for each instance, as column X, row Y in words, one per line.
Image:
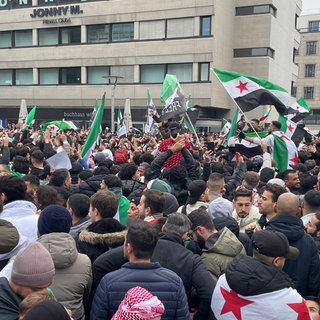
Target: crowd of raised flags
column 246, row 91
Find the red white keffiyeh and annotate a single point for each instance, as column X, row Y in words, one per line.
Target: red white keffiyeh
column 139, row 304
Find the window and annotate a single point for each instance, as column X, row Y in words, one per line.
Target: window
column 152, row 29
column 311, row 47
column 23, row 77
column 314, row 26
column 18, row 38
column 98, row 75
column 98, row 33
column 310, row 70
column 205, row 26
column 155, row 73
column 180, row 28
column 125, row 72
column 122, row 32
column 204, row 70
column 308, row 92
column 55, row 36
column 253, row 52
column 249, row 10
column 51, row 76
column 110, row 32
column 293, row 91
column 19, row 77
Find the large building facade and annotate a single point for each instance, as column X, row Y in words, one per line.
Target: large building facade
column 308, row 83
column 61, row 55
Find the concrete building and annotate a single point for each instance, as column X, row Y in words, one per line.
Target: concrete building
column 308, row 83
column 59, row 54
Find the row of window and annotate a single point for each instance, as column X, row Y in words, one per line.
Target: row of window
column 104, row 33
column 307, row 92
column 259, row 9
column 98, row 74
column 311, row 47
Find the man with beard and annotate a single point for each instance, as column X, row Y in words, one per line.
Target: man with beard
column 313, row 228
column 218, row 247
column 244, row 212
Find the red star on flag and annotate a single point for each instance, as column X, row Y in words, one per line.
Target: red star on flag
column 301, row 309
column 283, row 136
column 295, row 160
column 290, row 128
column 242, row 86
column 233, row 303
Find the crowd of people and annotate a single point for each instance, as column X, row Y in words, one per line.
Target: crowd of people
column 167, row 226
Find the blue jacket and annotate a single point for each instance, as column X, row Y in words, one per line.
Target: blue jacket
column 305, row 270
column 161, row 282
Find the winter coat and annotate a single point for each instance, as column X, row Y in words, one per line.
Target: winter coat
column 161, row 282
column 9, row 301
column 225, row 248
column 99, row 237
column 188, row 208
column 305, row 270
column 90, row 186
column 171, row 254
column 79, row 226
column 132, row 188
column 22, row 214
column 73, row 275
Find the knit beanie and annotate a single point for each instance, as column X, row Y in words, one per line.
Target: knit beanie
column 158, row 184
column 33, row 267
column 54, row 218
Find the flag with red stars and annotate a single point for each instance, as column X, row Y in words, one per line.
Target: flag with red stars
column 286, row 303
column 250, row 92
column 285, row 152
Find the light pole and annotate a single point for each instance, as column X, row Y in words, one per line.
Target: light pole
column 115, row 82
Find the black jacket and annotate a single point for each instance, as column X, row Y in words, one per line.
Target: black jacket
column 132, row 188
column 305, row 270
column 9, row 301
column 171, row 254
column 248, row 276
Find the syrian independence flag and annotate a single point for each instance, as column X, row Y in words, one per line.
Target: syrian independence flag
column 225, row 128
column 285, row 152
column 237, row 117
column 250, row 92
column 121, row 127
column 292, row 130
column 151, row 112
column 286, row 303
column 56, row 125
column 299, row 110
column 30, row 118
column 173, row 98
column 190, row 116
column 244, row 147
column 92, row 138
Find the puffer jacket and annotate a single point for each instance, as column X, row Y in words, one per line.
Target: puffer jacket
column 90, row 186
column 132, row 188
column 73, row 277
column 99, row 237
column 161, row 282
column 224, row 250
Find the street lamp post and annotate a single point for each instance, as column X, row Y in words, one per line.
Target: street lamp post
column 115, row 82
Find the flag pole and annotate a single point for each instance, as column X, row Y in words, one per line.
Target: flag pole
column 245, row 117
column 195, row 132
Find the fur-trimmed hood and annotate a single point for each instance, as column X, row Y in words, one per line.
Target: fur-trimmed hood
column 107, row 239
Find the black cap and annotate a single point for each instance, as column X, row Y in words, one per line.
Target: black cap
column 174, row 126
column 195, row 189
column 300, row 167
column 273, row 244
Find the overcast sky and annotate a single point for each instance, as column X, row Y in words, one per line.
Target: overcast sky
column 310, row 6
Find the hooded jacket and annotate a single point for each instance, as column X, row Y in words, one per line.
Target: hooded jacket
column 252, row 289
column 305, row 270
column 99, row 237
column 222, row 250
column 73, row 277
